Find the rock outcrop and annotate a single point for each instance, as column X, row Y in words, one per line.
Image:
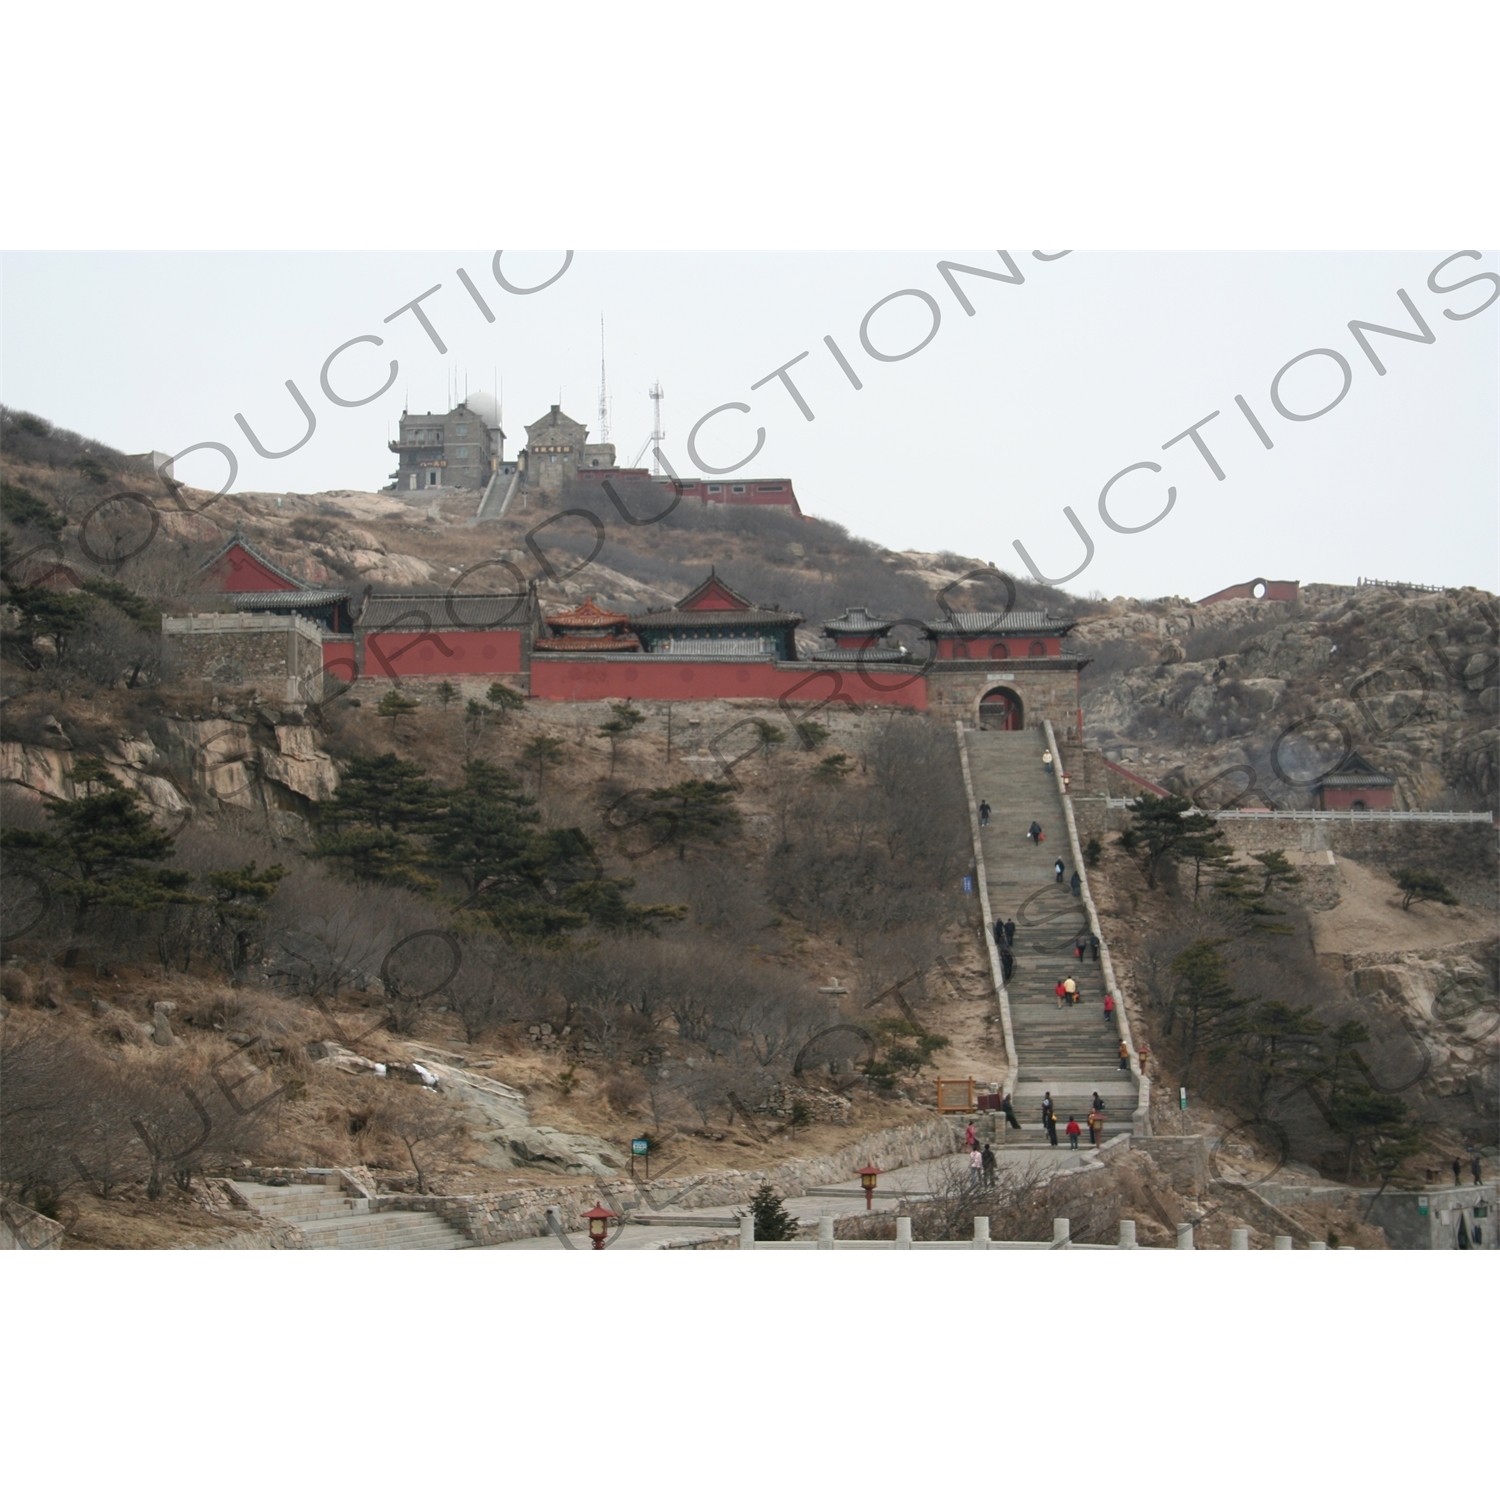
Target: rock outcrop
column 1410, row 680
column 180, row 764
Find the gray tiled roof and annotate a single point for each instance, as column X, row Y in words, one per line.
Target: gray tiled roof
column 999, row 622
column 415, row 612
column 280, row 599
column 857, row 620
column 689, row 619
column 864, row 655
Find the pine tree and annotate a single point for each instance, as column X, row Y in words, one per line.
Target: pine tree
column 691, row 812
column 1204, row 993
column 1278, row 871
column 604, row 902
column 1284, row 1043
column 505, row 700
column 484, row 835
column 368, row 825
column 1158, row 825
column 541, row 752
column 1240, row 891
column 768, row 737
column 1377, row 1124
column 833, row 768
column 104, row 849
column 395, row 708
column 239, row 902
column 772, row 1221
column 476, row 721
column 624, row 719
column 1418, row 885
column 385, row 792
column 446, row 693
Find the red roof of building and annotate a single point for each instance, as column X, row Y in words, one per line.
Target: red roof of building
column 588, row 614
column 239, row 567
column 714, row 593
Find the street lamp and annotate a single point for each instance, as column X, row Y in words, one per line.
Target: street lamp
column 867, row 1176
column 599, row 1217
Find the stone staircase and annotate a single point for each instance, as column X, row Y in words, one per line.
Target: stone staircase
column 1070, row 1051
column 333, row 1220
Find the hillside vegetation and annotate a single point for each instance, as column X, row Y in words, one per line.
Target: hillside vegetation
column 210, row 900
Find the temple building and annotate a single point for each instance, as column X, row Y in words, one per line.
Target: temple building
column 1008, row 668
column 588, row 628
column 259, row 585
column 859, row 638
column 715, row 620
column 992, row 671
column 1356, row 785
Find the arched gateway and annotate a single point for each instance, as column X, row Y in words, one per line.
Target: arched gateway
column 1001, row 709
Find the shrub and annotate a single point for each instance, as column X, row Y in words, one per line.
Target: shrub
column 772, row 1221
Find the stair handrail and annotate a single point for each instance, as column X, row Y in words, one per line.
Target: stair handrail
column 1012, row 1063
column 1141, row 1115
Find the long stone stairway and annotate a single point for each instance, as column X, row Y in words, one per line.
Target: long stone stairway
column 1071, row 1052
column 332, row 1220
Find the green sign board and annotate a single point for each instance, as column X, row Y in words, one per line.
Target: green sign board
column 639, row 1147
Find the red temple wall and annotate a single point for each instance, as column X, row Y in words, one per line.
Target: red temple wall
column 442, row 653
column 679, row 681
column 338, row 658
column 1333, row 797
column 981, row 648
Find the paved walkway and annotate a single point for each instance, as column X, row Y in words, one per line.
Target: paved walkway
column 838, row 1198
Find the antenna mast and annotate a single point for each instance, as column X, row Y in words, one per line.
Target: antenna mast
column 657, row 434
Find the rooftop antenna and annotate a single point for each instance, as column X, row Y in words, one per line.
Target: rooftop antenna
column 657, row 434
column 603, row 396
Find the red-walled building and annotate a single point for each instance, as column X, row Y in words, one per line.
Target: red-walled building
column 262, row 586
column 776, row 492
column 588, row 628
column 1355, row 784
column 444, row 635
column 996, row 671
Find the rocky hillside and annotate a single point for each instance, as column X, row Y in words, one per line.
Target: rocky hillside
column 1192, row 695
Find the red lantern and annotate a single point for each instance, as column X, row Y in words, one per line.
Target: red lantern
column 599, row 1217
column 867, row 1176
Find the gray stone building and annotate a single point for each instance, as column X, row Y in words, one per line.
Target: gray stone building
column 556, row 448
column 280, row 656
column 456, row 450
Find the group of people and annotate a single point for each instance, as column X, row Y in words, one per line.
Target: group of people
column 1073, row 1130
column 981, row 1159
column 1005, row 938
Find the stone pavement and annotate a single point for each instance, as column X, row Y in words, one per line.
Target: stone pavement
column 683, row 1228
column 1070, row 1052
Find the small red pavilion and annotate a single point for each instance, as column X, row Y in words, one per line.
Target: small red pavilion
column 588, row 628
column 1355, row 784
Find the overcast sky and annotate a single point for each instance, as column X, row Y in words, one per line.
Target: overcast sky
column 978, row 439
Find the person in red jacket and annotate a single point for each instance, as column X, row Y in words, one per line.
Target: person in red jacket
column 1109, row 1009
column 1074, row 1131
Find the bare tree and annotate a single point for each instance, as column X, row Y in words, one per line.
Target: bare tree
column 427, row 1128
